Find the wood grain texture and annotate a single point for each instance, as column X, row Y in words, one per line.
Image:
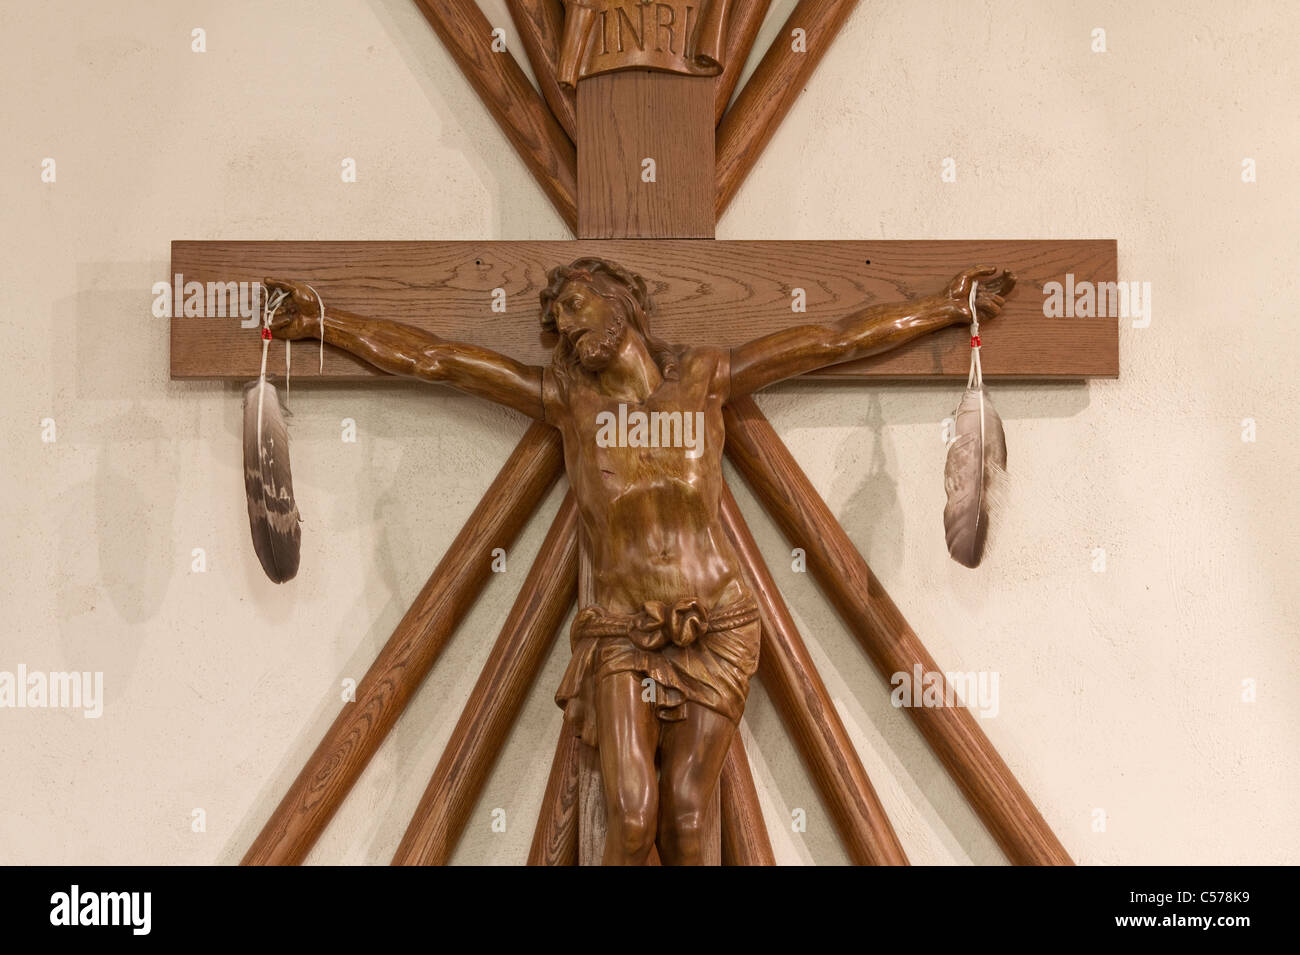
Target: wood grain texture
column 545, row 598
column 711, row 850
column 770, row 92
column 891, row 645
column 517, row 108
column 540, row 24
column 591, row 794
column 791, row 680
column 632, row 115
column 555, row 838
column 410, row 652
column 743, row 23
column 591, row 803
column 719, row 293
column 743, row 832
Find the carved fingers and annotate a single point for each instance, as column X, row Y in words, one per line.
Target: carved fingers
column 298, row 314
column 995, row 285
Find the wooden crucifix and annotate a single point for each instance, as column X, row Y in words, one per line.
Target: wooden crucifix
column 676, row 607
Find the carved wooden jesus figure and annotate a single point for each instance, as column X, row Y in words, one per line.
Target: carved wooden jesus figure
column 663, row 654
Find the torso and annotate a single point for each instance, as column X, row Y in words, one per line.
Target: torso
column 651, row 514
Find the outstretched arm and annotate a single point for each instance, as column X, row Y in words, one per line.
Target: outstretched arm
column 803, row 348
column 409, row 351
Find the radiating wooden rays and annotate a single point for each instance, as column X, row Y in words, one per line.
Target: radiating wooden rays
column 544, row 600
column 543, row 130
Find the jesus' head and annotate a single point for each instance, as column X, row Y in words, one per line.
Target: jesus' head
column 593, row 305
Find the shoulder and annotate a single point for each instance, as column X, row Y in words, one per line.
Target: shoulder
column 706, row 363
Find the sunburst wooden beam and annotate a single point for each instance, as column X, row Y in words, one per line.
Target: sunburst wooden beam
column 791, row 679
column 952, row 732
column 555, row 838
column 406, row 659
column 771, row 91
column 544, row 599
column 540, row 24
column 504, row 89
column 744, row 834
column 744, row 20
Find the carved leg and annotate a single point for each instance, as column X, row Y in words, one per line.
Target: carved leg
column 691, row 753
column 629, row 732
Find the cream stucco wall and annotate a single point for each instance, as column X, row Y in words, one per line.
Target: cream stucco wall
column 1120, row 691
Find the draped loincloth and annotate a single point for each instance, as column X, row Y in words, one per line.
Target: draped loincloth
column 691, row 653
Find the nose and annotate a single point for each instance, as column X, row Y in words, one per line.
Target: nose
column 565, row 323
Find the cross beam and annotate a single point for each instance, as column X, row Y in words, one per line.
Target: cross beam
column 720, row 293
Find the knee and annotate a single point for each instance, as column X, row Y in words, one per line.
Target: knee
column 686, row 827
column 682, row 826
column 634, row 824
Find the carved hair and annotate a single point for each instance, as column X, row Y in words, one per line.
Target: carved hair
column 625, row 289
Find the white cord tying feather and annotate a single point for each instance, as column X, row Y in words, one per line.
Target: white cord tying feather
column 269, row 308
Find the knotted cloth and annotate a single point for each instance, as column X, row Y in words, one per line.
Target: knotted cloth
column 691, row 652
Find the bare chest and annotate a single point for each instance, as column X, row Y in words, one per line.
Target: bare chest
column 659, row 453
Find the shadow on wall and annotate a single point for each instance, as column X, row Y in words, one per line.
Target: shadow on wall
column 876, row 494
column 1015, row 400
column 117, row 551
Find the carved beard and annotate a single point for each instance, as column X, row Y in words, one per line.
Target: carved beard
column 595, row 353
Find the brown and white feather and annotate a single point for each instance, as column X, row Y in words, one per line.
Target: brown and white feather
column 974, row 476
column 268, row 482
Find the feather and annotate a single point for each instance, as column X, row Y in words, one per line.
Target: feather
column 272, row 512
column 974, row 476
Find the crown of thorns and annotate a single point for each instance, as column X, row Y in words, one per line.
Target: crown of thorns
column 605, row 277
